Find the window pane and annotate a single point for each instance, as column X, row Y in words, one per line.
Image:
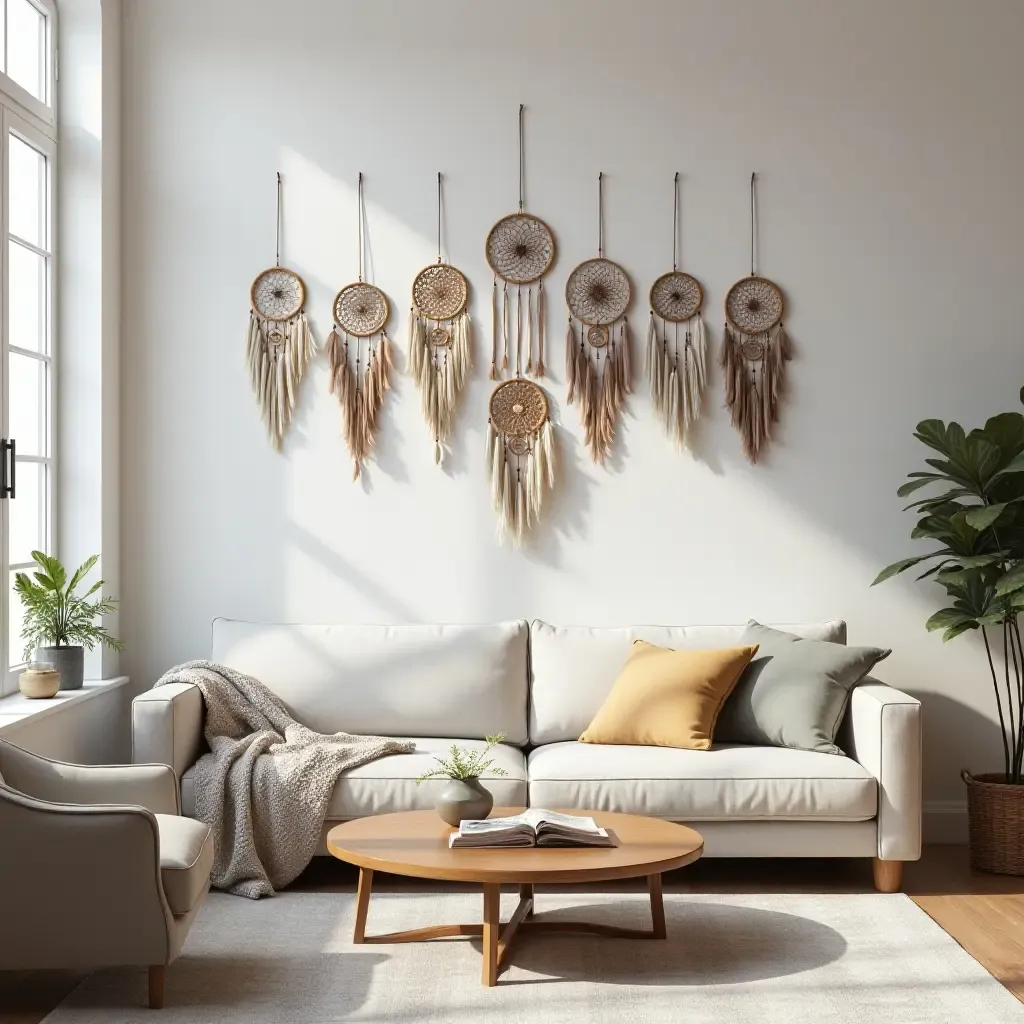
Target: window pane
column 27, row 192
column 16, row 648
column 28, row 406
column 27, row 289
column 26, row 32
column 28, row 511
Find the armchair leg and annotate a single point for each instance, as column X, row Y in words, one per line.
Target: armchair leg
column 156, row 986
column 888, row 874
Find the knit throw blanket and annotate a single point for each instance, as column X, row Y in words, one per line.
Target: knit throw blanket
column 264, row 787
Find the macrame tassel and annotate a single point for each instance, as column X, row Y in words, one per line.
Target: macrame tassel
column 572, row 366
column 520, row 524
column 541, row 316
column 529, row 332
column 489, row 448
column 508, row 504
column 506, row 325
column 417, row 345
column 498, row 473
column 462, row 350
column 494, row 331
column 519, row 329
column 625, row 359
column 753, row 389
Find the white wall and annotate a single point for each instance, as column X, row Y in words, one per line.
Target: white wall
column 887, row 139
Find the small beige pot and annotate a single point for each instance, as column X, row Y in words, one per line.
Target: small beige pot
column 39, row 683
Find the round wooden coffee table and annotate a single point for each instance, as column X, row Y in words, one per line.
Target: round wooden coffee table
column 415, row 843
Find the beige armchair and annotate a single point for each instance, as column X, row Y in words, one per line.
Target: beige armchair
column 97, row 867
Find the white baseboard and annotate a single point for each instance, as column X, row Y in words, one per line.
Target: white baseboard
column 945, row 822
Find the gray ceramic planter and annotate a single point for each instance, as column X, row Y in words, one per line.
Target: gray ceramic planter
column 463, row 799
column 68, row 661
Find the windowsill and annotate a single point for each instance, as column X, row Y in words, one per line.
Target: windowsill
column 17, row 708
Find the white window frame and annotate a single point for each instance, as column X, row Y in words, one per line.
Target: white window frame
column 34, row 122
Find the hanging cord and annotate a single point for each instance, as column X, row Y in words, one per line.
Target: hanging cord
column 438, row 216
column 600, row 214
column 753, row 177
column 360, row 213
column 522, row 159
column 278, row 261
column 675, row 222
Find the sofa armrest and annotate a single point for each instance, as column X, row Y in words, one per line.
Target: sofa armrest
column 80, row 886
column 148, row 785
column 167, row 727
column 885, row 737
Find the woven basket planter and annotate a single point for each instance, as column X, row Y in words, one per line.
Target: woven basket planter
column 996, row 821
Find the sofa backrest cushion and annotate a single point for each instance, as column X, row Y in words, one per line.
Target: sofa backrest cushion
column 416, row 680
column 573, row 668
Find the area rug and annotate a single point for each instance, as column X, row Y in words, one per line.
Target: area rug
column 791, row 959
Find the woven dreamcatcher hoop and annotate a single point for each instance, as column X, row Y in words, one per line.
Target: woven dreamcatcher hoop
column 755, row 351
column 359, row 353
column 279, row 344
column 439, row 341
column 676, row 367
column 520, row 249
column 520, row 456
column 597, row 294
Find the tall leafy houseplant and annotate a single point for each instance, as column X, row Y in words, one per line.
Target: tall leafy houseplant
column 58, row 623
column 975, row 522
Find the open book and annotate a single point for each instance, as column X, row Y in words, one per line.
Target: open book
column 535, row 827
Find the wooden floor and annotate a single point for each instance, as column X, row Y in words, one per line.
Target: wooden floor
column 984, row 913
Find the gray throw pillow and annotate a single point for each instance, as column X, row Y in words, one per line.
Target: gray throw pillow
column 794, row 692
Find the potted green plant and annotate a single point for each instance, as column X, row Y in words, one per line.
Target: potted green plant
column 464, row 796
column 59, row 626
column 977, row 521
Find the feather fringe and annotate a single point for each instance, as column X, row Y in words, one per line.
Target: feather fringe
column 518, row 492
column 677, row 377
column 754, row 388
column 441, row 385
column 494, row 331
column 275, row 371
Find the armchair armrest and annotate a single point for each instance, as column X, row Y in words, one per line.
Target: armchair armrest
column 167, row 727
column 885, row 737
column 149, row 785
column 64, row 867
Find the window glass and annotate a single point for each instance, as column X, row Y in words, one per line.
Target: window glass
column 27, row 404
column 27, row 192
column 27, row 294
column 28, row 512
column 26, row 47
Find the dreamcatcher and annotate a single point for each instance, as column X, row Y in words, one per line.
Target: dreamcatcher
column 279, row 344
column 677, row 372
column 754, row 353
column 520, row 250
column 359, row 354
column 520, row 456
column 597, row 294
column 439, row 340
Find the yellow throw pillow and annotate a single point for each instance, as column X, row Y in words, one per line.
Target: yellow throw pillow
column 666, row 698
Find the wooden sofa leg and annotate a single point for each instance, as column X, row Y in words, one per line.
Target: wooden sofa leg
column 156, row 986
column 888, row 874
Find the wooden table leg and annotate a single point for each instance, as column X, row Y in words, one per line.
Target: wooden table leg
column 362, row 904
column 526, row 893
column 492, row 932
column 657, row 906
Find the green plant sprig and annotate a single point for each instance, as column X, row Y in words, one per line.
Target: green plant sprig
column 55, row 616
column 463, row 764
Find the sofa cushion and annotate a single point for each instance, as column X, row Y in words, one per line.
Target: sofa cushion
column 389, row 783
column 413, row 680
column 667, row 698
column 727, row 782
column 186, row 860
column 573, row 667
column 795, row 691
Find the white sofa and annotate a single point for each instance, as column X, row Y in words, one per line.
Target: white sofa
column 540, row 685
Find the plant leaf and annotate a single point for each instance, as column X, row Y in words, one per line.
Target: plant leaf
column 923, row 479
column 947, row 617
column 986, row 515
column 903, row 564
column 1011, row 581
